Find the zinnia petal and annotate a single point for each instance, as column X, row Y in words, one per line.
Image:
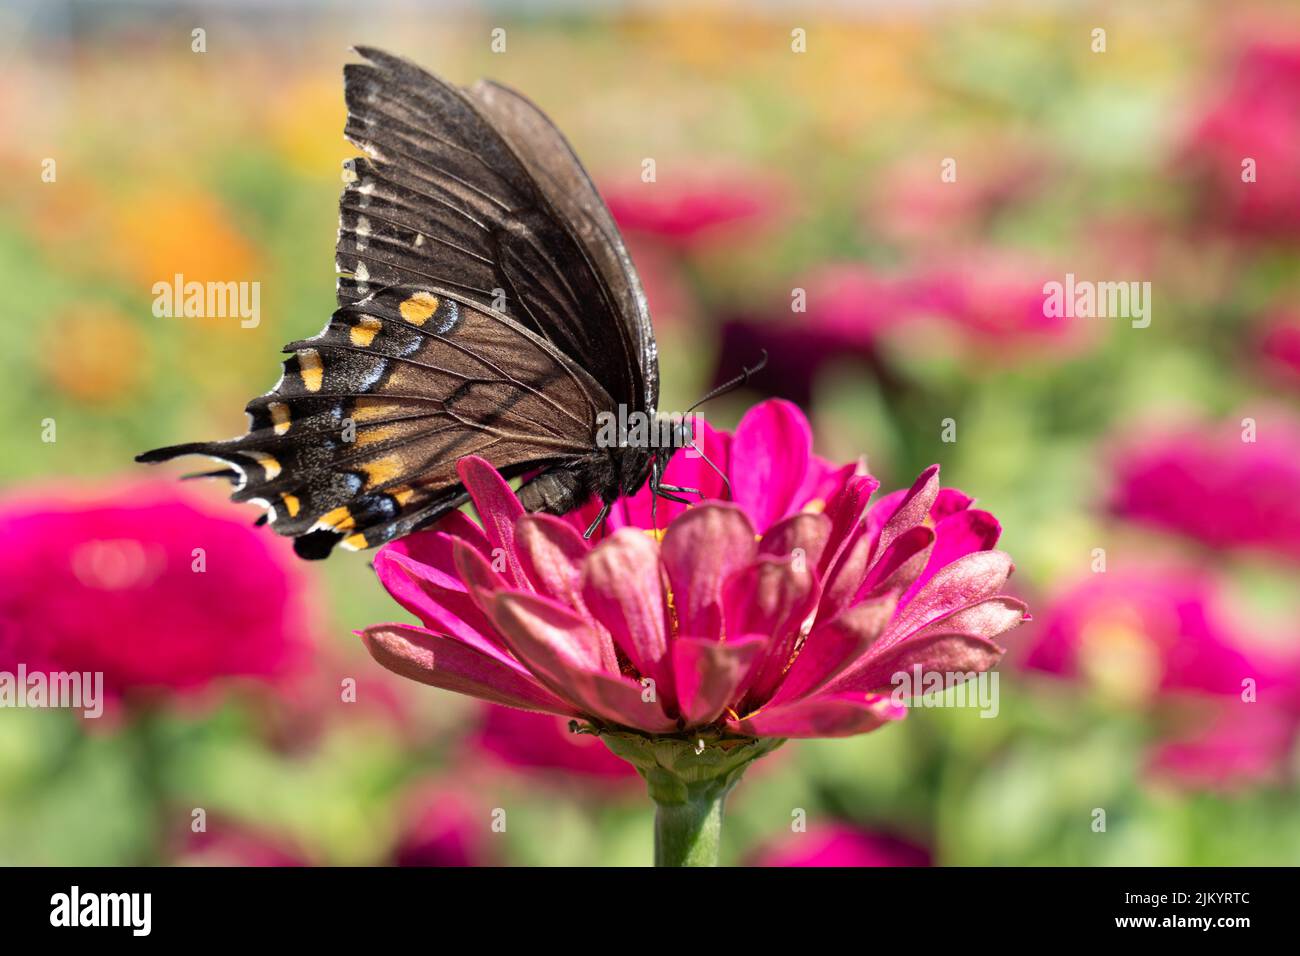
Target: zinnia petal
column 498, row 509
column 700, row 550
column 839, row 715
column 445, row 662
column 835, row 646
column 845, row 511
column 955, row 536
column 803, row 534
column 622, row 590
column 548, row 638
column 912, row 510
column 443, row 607
column 900, row 563
column 963, row 582
column 986, row 619
column 562, row 651
column 709, row 673
column 772, row 597
column 551, row 553
column 769, row 460
column 936, row 653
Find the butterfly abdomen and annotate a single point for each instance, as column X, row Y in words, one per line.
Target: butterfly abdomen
column 560, row 490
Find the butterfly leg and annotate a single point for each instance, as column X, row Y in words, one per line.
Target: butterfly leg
column 595, row 525
column 661, row 493
column 684, row 491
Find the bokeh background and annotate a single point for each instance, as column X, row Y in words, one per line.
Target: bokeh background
column 1147, row 479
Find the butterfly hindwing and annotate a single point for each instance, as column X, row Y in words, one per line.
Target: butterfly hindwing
column 359, row 440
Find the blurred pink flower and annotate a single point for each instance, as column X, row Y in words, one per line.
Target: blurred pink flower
column 1208, row 484
column 1234, row 744
column 752, row 615
column 663, row 279
column 847, row 308
column 995, row 301
column 910, row 203
column 1160, row 639
column 1279, row 346
column 1144, row 632
column 1256, row 117
column 527, row 741
column 842, row 845
column 226, row 842
column 987, row 306
column 147, row 584
column 697, row 209
column 445, row 827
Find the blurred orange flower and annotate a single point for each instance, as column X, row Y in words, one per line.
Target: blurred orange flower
column 94, row 353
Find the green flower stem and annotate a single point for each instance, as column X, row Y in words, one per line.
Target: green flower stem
column 689, row 778
column 688, row 826
column 146, row 740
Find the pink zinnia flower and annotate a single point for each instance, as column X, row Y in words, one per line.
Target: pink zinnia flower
column 910, row 203
column 842, row 845
column 1210, row 485
column 991, row 306
column 151, row 586
column 783, row 611
column 751, row 616
column 995, row 301
column 1234, row 745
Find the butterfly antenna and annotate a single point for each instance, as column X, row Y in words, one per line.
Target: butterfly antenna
column 740, row 381
column 716, row 469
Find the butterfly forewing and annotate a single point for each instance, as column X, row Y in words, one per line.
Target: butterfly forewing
column 555, row 168
column 462, row 191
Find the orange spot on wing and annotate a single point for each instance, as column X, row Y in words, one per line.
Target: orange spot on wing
column 364, row 332
column 269, row 465
column 371, row 436
column 381, row 471
column 419, row 307
column 369, row 409
column 313, row 372
column 280, row 417
column 340, row 519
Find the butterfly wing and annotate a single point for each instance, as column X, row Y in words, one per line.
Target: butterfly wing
column 475, row 191
column 359, row 440
column 555, row 168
